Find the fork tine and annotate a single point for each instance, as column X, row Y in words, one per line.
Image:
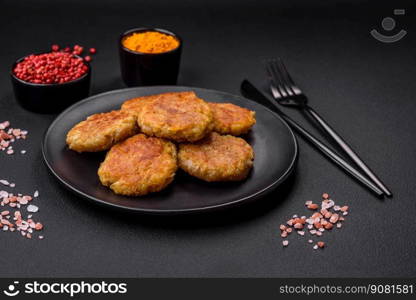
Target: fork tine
column 296, row 90
column 285, row 72
column 276, row 78
column 285, row 83
column 274, row 85
column 275, row 92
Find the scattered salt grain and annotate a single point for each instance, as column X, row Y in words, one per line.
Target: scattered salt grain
column 4, row 125
column 298, row 226
column 32, row 208
column 313, row 206
column 23, row 201
column 323, row 219
column 326, row 204
column 334, row 218
column 38, row 226
column 10, row 135
column 285, row 243
column 36, row 194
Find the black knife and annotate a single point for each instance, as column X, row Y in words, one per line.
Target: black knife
column 249, row 91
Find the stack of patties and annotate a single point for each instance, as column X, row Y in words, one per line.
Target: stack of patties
column 151, row 136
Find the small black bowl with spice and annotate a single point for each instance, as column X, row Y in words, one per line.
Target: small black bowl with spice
column 50, row 82
column 149, row 56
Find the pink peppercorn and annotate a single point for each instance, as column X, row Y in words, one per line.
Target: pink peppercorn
column 78, row 50
column 50, row 68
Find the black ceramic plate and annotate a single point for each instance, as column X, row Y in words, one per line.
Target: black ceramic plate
column 273, row 142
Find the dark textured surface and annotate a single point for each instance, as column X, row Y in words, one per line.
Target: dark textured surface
column 361, row 86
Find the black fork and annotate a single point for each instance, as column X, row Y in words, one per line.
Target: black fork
column 287, row 93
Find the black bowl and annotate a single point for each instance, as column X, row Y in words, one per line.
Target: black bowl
column 50, row 98
column 139, row 69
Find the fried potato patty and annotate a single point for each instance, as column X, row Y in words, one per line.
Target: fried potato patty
column 217, row 158
column 135, row 105
column 232, row 119
column 180, row 116
column 101, row 131
column 139, row 165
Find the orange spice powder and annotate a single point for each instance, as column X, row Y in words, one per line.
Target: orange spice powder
column 150, row 42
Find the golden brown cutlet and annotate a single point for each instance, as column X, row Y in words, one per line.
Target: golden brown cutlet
column 232, row 119
column 139, row 165
column 217, row 158
column 135, row 105
column 179, row 116
column 101, row 131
